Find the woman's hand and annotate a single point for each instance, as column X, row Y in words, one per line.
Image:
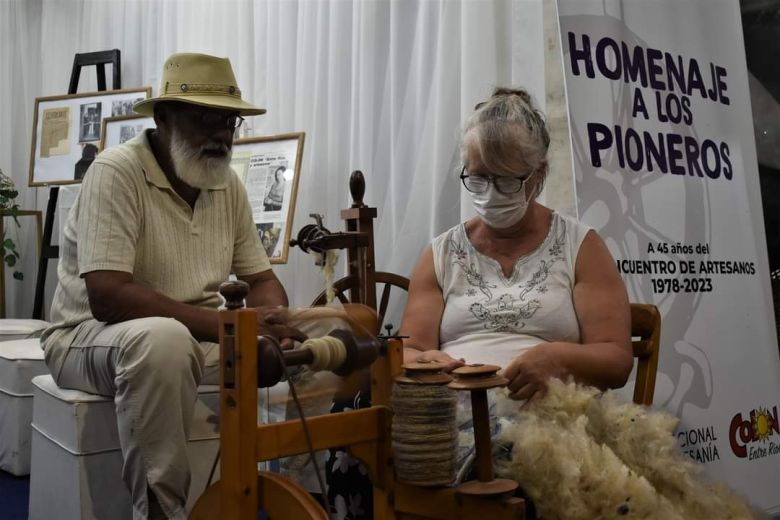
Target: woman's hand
column 437, row 356
column 529, row 372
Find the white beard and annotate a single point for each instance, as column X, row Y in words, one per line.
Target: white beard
column 195, row 170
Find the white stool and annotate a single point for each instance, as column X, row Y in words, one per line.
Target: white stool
column 20, row 361
column 76, row 459
column 21, row 329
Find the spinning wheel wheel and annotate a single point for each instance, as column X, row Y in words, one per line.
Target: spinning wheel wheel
column 349, row 283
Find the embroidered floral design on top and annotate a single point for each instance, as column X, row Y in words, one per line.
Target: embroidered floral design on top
column 545, row 266
column 505, row 317
column 473, row 276
column 508, row 312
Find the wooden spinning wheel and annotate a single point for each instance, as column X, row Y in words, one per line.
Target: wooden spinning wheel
column 242, row 491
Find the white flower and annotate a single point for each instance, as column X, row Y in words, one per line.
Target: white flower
column 354, row 505
column 341, row 508
column 342, row 461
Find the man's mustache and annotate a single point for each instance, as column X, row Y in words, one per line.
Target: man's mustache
column 213, row 147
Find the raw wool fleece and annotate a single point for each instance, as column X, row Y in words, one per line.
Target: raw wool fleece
column 581, row 454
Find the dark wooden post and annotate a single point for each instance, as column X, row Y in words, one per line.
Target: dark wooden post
column 360, row 260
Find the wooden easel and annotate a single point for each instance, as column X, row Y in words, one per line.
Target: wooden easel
column 48, row 251
column 242, row 491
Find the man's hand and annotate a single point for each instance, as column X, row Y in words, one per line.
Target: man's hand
column 529, row 372
column 272, row 321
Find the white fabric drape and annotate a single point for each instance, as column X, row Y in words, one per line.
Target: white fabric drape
column 382, row 86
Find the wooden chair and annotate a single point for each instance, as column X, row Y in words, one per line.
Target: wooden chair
column 646, row 341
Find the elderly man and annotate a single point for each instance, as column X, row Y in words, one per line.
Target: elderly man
column 159, row 223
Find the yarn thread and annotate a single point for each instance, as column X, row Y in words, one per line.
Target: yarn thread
column 329, row 353
column 329, row 259
column 424, row 433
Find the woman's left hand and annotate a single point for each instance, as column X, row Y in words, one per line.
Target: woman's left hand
column 529, row 372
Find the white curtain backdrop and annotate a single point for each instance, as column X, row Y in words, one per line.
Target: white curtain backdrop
column 382, row 86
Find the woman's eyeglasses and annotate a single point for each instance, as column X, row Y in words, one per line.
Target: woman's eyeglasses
column 480, row 183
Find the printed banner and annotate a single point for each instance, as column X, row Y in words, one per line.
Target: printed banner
column 665, row 168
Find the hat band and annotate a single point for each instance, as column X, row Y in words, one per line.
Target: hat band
column 200, row 88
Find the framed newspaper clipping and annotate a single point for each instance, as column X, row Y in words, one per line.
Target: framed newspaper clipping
column 120, row 129
column 67, row 129
column 270, row 168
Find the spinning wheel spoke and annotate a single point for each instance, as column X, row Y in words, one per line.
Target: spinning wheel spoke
column 388, row 281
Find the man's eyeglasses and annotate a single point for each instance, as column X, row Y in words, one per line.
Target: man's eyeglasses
column 480, row 183
column 216, row 119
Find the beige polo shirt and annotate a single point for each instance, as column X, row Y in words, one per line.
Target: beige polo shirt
column 128, row 218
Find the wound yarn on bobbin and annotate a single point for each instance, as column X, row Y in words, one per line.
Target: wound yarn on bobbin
column 424, row 433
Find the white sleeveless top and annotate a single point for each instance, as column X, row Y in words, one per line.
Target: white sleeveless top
column 491, row 319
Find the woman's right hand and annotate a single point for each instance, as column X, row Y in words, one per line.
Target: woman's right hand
column 437, row 356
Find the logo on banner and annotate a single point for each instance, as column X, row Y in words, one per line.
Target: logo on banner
column 699, row 444
column 755, row 436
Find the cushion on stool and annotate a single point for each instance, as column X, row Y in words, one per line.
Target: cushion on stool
column 76, row 457
column 20, row 361
column 21, row 329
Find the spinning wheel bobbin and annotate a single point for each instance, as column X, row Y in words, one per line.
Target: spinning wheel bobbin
column 424, row 434
column 478, row 379
column 423, row 374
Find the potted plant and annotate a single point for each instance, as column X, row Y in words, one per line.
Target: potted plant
column 8, row 206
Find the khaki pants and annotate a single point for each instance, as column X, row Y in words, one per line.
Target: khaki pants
column 152, row 368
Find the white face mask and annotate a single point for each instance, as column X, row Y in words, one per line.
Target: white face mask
column 499, row 210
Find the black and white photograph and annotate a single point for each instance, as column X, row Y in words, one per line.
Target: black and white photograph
column 269, row 236
column 89, row 122
column 127, row 132
column 117, row 130
column 123, row 107
column 276, row 182
column 88, row 153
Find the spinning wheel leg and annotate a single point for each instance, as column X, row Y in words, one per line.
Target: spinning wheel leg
column 282, row 499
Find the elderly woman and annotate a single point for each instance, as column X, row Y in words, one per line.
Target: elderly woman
column 537, row 293
column 520, row 285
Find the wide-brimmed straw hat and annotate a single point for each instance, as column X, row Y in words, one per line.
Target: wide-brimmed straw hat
column 199, row 79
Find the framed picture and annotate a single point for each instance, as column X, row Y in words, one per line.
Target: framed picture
column 120, row 129
column 270, row 168
column 67, row 130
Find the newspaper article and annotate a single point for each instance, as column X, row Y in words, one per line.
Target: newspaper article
column 268, row 181
column 55, row 132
